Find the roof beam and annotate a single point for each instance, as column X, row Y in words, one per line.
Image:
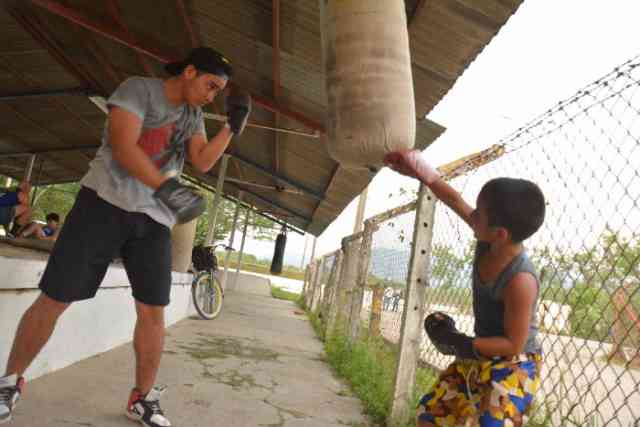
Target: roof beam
column 123, row 38
column 114, row 11
column 271, row 203
column 36, row 29
column 275, row 58
column 77, row 91
column 284, row 179
column 182, row 9
column 246, row 205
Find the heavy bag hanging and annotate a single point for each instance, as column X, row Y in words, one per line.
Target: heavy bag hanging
column 369, row 81
column 278, row 253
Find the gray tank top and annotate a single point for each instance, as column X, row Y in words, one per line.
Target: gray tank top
column 488, row 304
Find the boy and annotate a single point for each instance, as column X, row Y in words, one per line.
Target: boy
column 128, row 203
column 48, row 232
column 496, row 374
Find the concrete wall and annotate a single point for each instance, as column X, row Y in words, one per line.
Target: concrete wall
column 87, row 328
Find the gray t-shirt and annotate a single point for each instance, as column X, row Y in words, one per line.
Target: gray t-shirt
column 488, row 304
column 166, row 131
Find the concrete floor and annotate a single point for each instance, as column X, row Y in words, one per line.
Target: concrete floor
column 259, row 364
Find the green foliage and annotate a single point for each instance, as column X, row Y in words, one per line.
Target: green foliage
column 369, row 365
column 280, row 293
column 54, row 198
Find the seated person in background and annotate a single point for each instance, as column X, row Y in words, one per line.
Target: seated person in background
column 47, row 232
column 14, row 205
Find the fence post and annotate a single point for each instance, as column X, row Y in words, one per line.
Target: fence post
column 347, row 280
column 361, row 282
column 376, row 310
column 312, row 283
column 413, row 313
column 317, row 288
column 337, row 292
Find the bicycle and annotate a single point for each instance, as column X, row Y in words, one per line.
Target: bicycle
column 206, row 290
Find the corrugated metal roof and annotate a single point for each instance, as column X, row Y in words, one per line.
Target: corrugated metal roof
column 41, row 51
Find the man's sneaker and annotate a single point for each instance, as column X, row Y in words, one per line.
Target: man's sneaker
column 146, row 409
column 10, row 389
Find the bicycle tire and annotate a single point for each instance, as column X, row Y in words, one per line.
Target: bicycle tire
column 207, row 297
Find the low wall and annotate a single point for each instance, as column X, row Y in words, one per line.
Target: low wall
column 87, row 328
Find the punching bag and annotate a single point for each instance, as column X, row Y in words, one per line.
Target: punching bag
column 369, row 81
column 278, row 253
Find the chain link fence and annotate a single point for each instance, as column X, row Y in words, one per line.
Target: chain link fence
column 585, row 155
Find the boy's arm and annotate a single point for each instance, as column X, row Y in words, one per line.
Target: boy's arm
column 411, row 163
column 519, row 297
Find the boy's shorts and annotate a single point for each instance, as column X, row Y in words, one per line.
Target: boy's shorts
column 490, row 393
column 94, row 233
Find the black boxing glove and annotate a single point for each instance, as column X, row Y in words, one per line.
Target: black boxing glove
column 238, row 106
column 185, row 202
column 449, row 341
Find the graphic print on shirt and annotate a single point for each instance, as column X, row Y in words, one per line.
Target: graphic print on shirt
column 160, row 144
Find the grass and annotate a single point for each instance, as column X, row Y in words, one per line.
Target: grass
column 369, row 365
column 279, row 293
column 263, row 269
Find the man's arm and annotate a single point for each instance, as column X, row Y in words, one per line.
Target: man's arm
column 203, row 155
column 124, row 131
column 519, row 297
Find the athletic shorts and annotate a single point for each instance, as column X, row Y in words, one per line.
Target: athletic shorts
column 94, row 233
column 492, row 393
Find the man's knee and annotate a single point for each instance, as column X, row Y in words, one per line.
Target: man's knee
column 151, row 315
column 48, row 306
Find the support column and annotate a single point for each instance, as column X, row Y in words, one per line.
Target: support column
column 247, row 218
column 364, row 257
column 213, row 216
column 232, row 235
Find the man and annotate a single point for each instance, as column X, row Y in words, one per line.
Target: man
column 129, row 203
column 48, row 232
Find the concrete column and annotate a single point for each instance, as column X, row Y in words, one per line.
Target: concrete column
column 247, row 218
column 376, row 311
column 182, row 237
column 232, row 235
column 213, row 215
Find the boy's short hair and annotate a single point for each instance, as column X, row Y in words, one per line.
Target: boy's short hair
column 515, row 204
column 53, row 217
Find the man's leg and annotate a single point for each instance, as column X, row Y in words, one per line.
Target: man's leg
column 33, row 332
column 148, row 342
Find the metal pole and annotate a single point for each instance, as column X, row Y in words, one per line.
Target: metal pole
column 29, row 170
column 244, row 236
column 230, row 244
column 362, row 201
column 304, row 251
column 213, row 216
column 313, row 249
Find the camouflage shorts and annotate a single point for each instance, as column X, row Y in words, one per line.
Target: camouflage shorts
column 493, row 393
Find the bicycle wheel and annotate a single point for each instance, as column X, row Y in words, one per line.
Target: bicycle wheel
column 207, row 295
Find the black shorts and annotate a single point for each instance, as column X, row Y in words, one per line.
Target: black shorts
column 94, row 233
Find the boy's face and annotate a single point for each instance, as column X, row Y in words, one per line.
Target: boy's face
column 481, row 228
column 52, row 224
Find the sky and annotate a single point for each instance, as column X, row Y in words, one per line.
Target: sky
column 546, row 52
